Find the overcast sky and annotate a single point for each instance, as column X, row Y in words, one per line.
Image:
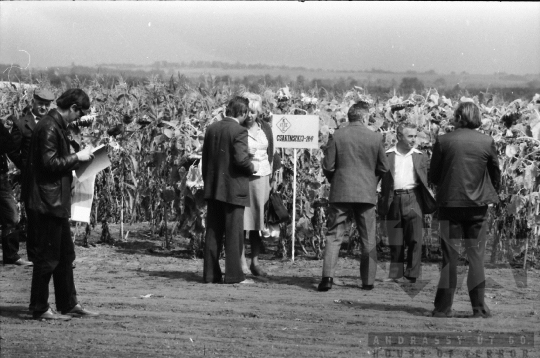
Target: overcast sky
column 477, row 37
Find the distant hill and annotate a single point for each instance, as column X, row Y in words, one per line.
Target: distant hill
column 379, row 77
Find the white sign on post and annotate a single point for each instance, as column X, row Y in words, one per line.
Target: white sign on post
column 295, row 131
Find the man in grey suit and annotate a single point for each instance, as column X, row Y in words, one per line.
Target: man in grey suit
column 354, row 162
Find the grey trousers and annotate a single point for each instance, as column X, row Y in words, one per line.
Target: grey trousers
column 364, row 215
column 405, row 225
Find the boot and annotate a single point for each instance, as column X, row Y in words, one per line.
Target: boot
column 480, row 309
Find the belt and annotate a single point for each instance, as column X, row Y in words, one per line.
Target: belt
column 404, row 191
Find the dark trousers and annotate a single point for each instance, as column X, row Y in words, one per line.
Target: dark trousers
column 54, row 257
column 337, row 224
column 9, row 217
column 466, row 225
column 405, row 225
column 31, row 234
column 223, row 219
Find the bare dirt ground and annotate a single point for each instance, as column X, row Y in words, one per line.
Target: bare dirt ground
column 154, row 304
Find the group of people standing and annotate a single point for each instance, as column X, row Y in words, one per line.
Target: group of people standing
column 237, row 161
column 464, row 168
column 238, row 166
column 40, row 146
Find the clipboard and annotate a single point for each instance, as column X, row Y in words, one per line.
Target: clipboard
column 91, row 168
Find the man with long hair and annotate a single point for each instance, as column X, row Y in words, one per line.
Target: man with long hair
column 465, row 169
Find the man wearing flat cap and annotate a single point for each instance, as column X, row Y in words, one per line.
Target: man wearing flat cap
column 21, row 134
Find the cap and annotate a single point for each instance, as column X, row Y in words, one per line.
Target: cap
column 44, row 94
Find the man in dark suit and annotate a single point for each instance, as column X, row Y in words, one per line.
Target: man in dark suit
column 465, row 168
column 9, row 214
column 22, row 133
column 51, row 161
column 405, row 199
column 226, row 167
column 354, row 161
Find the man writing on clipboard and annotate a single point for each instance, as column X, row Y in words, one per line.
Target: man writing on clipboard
column 48, row 186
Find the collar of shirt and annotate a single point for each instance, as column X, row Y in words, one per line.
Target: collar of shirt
column 394, row 149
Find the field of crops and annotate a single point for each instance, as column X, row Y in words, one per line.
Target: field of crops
column 137, row 261
column 155, row 132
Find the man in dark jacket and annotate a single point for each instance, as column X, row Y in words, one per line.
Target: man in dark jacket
column 48, row 187
column 405, row 198
column 226, row 167
column 9, row 214
column 354, row 162
column 22, row 133
column 465, row 169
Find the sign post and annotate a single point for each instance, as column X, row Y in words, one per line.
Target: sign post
column 295, row 132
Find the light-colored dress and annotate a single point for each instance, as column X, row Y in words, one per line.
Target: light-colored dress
column 259, row 182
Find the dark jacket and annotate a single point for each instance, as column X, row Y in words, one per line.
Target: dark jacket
column 226, row 165
column 7, row 145
column 49, row 168
column 465, row 169
column 354, row 161
column 425, row 198
column 22, row 133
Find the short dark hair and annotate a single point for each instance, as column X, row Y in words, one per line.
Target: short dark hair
column 238, row 106
column 358, row 111
column 73, row 96
column 468, row 113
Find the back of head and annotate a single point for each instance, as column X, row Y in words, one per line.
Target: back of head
column 468, row 115
column 358, row 111
column 237, row 107
column 73, row 96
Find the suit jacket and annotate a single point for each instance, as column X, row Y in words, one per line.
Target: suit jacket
column 354, row 161
column 420, row 165
column 226, row 165
column 22, row 133
column 465, row 169
column 49, row 168
column 7, row 145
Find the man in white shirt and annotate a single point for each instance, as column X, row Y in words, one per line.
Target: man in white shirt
column 405, row 199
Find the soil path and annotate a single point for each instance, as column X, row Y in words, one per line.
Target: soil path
column 155, row 305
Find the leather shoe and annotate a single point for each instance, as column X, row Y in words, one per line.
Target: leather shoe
column 326, row 284
column 50, row 315
column 23, row 262
column 256, row 270
column 79, row 311
column 367, row 287
column 478, row 313
column 438, row 314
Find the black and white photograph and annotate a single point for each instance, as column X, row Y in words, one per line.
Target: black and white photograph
column 269, row 179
